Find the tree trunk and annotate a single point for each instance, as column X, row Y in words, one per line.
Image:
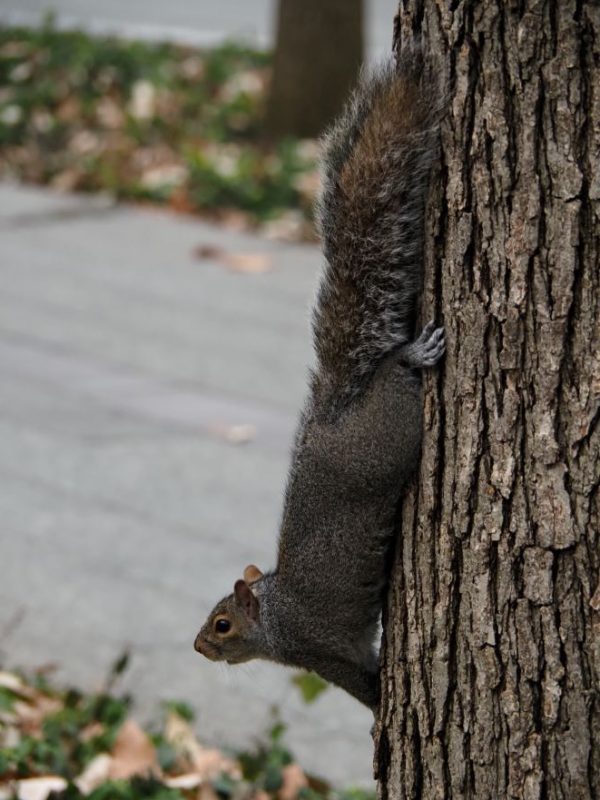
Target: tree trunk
column 318, row 54
column 491, row 660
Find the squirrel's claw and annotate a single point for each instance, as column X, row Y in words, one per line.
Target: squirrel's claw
column 427, row 349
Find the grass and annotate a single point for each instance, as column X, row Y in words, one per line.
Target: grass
column 149, row 122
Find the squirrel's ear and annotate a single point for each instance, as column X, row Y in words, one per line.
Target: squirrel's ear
column 252, row 573
column 246, row 599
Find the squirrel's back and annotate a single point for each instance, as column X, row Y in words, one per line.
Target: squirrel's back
column 376, row 164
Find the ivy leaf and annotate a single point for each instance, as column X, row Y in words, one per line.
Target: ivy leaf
column 310, row 685
column 224, row 785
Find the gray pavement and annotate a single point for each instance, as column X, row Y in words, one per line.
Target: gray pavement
column 195, row 22
column 125, row 511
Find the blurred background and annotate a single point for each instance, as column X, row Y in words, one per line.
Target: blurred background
column 158, row 172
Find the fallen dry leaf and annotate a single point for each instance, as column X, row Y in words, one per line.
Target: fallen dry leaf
column 288, row 227
column 15, row 49
column 208, row 251
column 240, row 434
column 31, row 706
column 190, row 780
column 251, row 263
column 234, row 434
column 164, row 175
column 211, row 763
column 40, row 788
column 180, row 201
column 10, row 735
column 207, row 763
column 133, row 753
column 247, row 262
column 234, row 219
column 251, row 82
column 294, row 780
column 192, row 68
column 109, row 113
column 30, row 715
column 8, row 680
column 206, row 792
column 143, row 100
column 67, row 180
column 69, row 110
column 183, row 739
column 91, row 731
column 308, row 184
column 84, row 143
column 12, row 682
column 95, row 774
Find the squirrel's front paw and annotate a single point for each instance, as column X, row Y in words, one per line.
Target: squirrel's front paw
column 427, row 349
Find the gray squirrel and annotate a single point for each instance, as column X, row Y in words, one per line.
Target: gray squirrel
column 359, row 436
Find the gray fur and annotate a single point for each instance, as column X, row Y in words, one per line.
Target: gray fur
column 382, row 264
column 359, row 437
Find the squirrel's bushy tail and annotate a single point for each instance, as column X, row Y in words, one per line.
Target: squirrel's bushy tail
column 376, row 164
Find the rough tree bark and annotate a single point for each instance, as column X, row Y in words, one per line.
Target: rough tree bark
column 491, row 665
column 318, row 54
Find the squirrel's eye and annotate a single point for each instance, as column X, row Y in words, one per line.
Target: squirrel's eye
column 222, row 626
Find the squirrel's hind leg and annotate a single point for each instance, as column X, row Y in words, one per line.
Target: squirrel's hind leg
column 426, row 350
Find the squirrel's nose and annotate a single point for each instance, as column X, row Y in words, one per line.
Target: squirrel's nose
column 205, row 648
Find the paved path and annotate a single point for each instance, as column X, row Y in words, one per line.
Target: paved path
column 124, row 511
column 202, row 22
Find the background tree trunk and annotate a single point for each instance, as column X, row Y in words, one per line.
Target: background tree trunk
column 492, row 654
column 318, row 53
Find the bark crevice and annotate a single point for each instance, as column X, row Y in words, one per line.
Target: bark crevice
column 491, row 659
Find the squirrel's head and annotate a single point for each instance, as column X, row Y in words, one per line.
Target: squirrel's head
column 232, row 631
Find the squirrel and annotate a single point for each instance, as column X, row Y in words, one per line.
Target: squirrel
column 358, row 440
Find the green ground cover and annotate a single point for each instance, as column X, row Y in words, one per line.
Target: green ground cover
column 151, row 122
column 67, row 745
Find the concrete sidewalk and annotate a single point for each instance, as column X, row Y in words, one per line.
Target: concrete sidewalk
column 126, row 511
